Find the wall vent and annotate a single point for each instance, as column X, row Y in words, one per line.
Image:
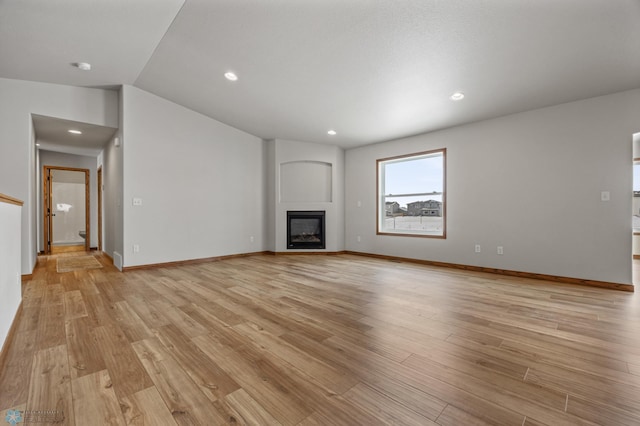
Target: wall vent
column 117, row 260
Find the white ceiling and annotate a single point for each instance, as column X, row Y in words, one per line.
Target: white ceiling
column 373, row 70
column 52, row 134
column 39, row 40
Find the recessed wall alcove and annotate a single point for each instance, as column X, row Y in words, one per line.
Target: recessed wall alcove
column 306, row 182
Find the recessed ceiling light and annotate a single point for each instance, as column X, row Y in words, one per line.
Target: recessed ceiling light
column 84, row 66
column 331, row 133
column 230, row 76
column 458, row 96
column 75, row 132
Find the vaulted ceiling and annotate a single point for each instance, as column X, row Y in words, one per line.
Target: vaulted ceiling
column 372, row 70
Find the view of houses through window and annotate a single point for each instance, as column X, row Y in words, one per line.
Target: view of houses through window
column 411, row 191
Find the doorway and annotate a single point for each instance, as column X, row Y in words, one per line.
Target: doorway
column 66, row 209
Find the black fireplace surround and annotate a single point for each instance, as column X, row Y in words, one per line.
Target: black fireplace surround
column 305, row 230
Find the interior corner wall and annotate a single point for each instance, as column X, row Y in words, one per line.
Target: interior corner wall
column 285, row 151
column 32, row 214
column 50, row 158
column 270, row 191
column 112, row 209
column 530, row 182
column 112, row 161
column 18, row 100
column 201, row 184
column 636, row 145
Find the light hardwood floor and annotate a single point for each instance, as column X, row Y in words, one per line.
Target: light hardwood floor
column 321, row 340
column 67, row 249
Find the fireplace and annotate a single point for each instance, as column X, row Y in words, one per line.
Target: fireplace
column 305, row 230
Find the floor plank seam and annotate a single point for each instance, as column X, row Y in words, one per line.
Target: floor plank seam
column 440, row 414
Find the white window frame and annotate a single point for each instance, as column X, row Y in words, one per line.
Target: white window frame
column 381, row 196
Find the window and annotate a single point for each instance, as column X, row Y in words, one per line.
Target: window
column 411, row 194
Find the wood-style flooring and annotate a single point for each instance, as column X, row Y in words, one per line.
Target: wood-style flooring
column 319, row 340
column 67, row 249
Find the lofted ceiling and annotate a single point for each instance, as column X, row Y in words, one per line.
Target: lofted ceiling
column 372, row 70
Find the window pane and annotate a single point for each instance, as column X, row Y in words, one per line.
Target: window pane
column 411, row 191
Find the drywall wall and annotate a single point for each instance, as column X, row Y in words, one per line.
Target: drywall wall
column 293, row 152
column 30, row 234
column 111, row 161
column 50, row 158
column 18, row 100
column 636, row 145
column 200, row 183
column 306, row 182
column 529, row 182
column 270, row 191
column 10, row 282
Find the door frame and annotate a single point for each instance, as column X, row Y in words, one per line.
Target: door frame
column 46, row 206
column 99, row 177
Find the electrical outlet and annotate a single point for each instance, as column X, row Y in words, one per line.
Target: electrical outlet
column 478, row 249
column 500, row 250
column 136, row 248
column 137, row 201
column 251, row 239
column 359, row 238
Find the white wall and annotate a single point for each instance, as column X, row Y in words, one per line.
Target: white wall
column 636, row 145
column 111, row 161
column 50, row 158
column 18, row 100
column 200, row 181
column 30, row 234
column 530, row 182
column 306, row 182
column 10, row 280
column 270, row 191
column 284, row 151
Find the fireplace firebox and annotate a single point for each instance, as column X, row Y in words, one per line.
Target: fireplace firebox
column 305, row 230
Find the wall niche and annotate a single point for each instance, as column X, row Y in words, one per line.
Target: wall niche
column 305, row 182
